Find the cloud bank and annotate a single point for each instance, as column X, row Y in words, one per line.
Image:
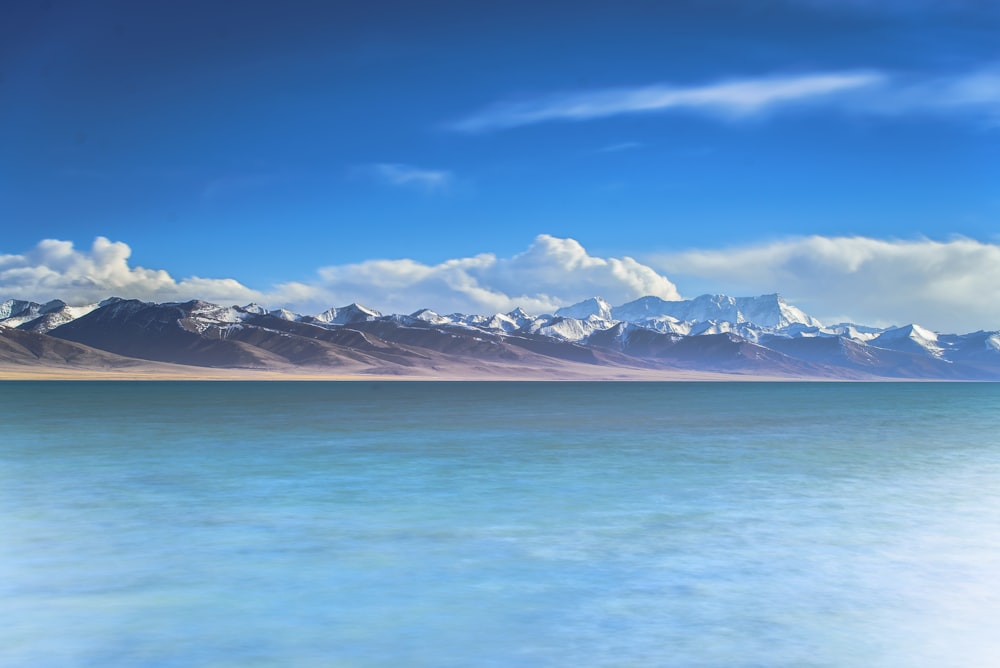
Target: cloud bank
column 950, row 286
column 866, row 92
column 551, row 273
column 54, row 269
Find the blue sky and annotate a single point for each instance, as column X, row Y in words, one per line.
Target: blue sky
column 479, row 155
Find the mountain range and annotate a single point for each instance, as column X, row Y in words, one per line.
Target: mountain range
column 646, row 338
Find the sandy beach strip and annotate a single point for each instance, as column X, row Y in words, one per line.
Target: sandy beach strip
column 167, row 372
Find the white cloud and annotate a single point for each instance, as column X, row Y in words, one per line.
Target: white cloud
column 620, row 146
column 732, row 98
column 860, row 92
column 551, row 273
column 398, row 174
column 55, row 269
column 977, row 92
column 950, row 286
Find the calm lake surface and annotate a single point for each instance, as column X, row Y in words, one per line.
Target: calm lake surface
column 499, row 524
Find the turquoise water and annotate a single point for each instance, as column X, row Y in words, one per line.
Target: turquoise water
column 504, row 524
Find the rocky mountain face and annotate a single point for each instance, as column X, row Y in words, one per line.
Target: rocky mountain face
column 750, row 336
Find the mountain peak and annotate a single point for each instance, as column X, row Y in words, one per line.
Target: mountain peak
column 519, row 314
column 254, row 308
column 712, row 333
column 595, row 306
column 346, row 315
column 909, row 338
column 911, row 330
column 52, row 306
column 768, row 311
column 284, row 314
column 15, row 307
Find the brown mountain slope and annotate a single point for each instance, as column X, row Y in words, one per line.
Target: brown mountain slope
column 26, row 348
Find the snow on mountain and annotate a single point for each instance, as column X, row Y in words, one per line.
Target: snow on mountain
column 520, row 317
column 519, row 314
column 595, row 306
column 644, row 308
column 649, row 328
column 569, row 329
column 347, row 315
column 501, row 322
column 201, row 317
column 79, row 311
column 705, row 315
column 15, row 312
column 707, row 327
column 910, row 338
column 852, row 331
column 799, row 331
column 216, row 314
column 664, row 324
column 51, row 319
column 769, row 311
column 510, row 322
column 14, row 308
column 285, row 314
column 254, row 309
column 431, row 317
column 40, row 318
column 713, row 332
column 519, row 321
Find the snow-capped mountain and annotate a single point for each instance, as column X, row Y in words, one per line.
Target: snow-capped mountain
column 911, row 338
column 749, row 335
column 595, row 306
column 255, row 308
column 285, row 314
column 568, row 329
column 40, row 318
column 347, row 315
column 769, row 311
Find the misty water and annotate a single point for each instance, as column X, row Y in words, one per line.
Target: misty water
column 499, row 524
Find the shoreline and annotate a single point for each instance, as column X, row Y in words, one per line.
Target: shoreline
column 166, row 372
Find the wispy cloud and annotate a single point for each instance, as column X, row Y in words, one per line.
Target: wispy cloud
column 865, row 92
column 620, row 146
column 976, row 92
column 733, row 98
column 947, row 285
column 399, row 174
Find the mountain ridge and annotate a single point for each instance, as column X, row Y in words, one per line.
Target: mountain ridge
column 746, row 336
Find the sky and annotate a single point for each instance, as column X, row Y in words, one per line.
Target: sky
column 478, row 156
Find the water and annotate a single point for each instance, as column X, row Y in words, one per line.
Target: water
column 507, row 524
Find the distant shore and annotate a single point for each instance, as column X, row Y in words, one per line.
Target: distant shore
column 163, row 372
